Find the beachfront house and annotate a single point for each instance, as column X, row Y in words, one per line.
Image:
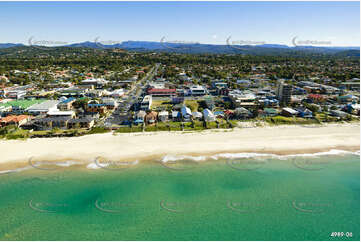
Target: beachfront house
column 186, row 113
column 140, row 115
column 17, row 120
column 43, row 108
column 151, row 118
column 176, row 116
column 208, row 115
column 353, row 109
column 304, row 112
column 197, row 115
column 83, row 122
column 163, row 116
column 146, row 103
column 338, row 113
column 289, row 112
column 46, row 123
column 269, row 112
column 241, row 113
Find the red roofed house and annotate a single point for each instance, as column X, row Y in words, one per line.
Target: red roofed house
column 161, row 92
column 17, row 120
column 316, row 97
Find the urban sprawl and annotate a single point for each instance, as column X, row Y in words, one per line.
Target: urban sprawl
column 170, row 92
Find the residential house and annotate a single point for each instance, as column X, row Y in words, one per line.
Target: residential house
column 176, row 116
column 94, row 106
column 197, row 115
column 269, row 112
column 151, row 118
column 304, row 112
column 347, row 99
column 58, row 113
column 66, row 104
column 338, row 113
column 289, row 112
column 163, row 116
column 4, row 110
column 109, row 103
column 17, row 120
column 140, row 115
column 353, row 109
column 242, row 113
column 198, row 90
column 52, row 122
column 94, row 83
column 43, row 108
column 242, row 99
column 146, row 103
column 83, row 122
column 208, row 115
column 186, row 113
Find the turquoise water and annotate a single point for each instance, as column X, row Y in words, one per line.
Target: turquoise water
column 239, row 199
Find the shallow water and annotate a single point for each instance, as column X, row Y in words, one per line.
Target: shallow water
column 243, row 198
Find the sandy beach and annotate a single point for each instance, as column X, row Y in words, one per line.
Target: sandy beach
column 142, row 146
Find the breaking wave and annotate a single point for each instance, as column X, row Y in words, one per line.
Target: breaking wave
column 170, row 158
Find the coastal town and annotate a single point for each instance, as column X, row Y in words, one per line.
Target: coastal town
column 72, row 101
column 180, row 121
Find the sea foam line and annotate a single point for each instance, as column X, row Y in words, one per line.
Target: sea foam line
column 169, row 158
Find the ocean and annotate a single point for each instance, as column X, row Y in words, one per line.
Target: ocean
column 221, row 197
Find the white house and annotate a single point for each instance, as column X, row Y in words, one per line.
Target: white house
column 186, row 112
column 43, row 108
column 163, row 116
column 208, row 115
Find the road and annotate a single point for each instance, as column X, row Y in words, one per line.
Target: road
column 134, row 95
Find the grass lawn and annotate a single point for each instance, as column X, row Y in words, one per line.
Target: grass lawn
column 22, row 103
column 192, row 104
column 163, row 105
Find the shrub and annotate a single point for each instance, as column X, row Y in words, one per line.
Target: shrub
column 98, row 130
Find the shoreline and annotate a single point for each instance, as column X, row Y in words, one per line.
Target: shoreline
column 278, row 140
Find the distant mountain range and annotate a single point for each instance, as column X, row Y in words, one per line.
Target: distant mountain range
column 265, row 49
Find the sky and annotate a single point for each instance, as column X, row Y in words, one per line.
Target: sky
column 58, row 23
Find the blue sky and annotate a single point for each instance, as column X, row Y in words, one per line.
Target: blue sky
column 204, row 22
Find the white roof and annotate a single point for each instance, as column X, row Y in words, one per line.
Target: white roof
column 197, row 87
column 147, row 98
column 60, row 113
column 290, row 110
column 197, row 114
column 162, row 113
column 208, row 113
column 186, row 111
column 94, row 80
column 174, row 114
column 44, row 106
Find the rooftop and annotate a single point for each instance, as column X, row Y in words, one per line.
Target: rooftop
column 44, row 105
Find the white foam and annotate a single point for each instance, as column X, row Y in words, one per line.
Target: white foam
column 16, row 170
column 62, row 164
column 330, row 152
column 93, row 166
column 169, row 158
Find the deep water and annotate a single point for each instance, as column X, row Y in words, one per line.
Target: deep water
column 303, row 198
